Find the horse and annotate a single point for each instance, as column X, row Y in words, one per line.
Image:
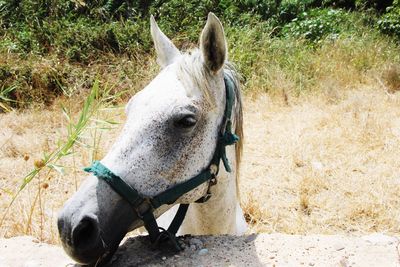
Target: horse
column 172, row 132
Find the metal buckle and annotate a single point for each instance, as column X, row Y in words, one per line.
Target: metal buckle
column 214, row 170
column 144, row 207
column 206, row 197
column 212, row 181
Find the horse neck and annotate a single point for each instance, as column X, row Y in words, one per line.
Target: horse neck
column 221, row 214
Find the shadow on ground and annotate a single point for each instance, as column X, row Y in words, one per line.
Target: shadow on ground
column 199, row 251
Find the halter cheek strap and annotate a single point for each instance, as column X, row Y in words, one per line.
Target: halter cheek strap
column 145, row 206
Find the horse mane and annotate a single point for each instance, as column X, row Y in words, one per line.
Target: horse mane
column 191, row 70
column 229, row 69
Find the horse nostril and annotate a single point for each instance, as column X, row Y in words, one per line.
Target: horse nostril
column 86, row 232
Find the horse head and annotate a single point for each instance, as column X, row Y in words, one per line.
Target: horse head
column 170, row 135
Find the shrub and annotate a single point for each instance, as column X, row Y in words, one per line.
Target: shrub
column 378, row 5
column 317, row 24
column 345, row 4
column 389, row 23
column 289, row 10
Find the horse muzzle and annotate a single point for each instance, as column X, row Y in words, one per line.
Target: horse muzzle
column 93, row 222
column 81, row 238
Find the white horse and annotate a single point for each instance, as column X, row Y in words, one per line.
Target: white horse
column 170, row 136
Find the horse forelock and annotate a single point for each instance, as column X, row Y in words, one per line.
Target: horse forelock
column 193, row 75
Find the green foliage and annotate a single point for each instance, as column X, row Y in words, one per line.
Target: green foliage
column 389, row 23
column 82, row 30
column 266, row 9
column 83, row 41
column 290, row 9
column 176, row 16
column 82, row 33
column 5, row 100
column 378, row 5
column 245, row 43
column 317, row 24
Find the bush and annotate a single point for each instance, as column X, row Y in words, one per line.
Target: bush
column 378, row 5
column 317, row 24
column 23, row 84
column 82, row 30
column 389, row 23
column 290, row 9
column 346, row 4
column 82, row 40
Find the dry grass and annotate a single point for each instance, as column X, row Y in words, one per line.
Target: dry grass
column 323, row 167
column 291, row 67
column 391, row 77
column 23, row 150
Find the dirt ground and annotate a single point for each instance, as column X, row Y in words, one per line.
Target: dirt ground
column 253, row 250
column 321, row 164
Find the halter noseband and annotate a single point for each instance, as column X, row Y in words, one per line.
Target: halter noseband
column 145, row 206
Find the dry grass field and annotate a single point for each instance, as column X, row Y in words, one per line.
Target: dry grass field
column 322, row 167
column 321, row 163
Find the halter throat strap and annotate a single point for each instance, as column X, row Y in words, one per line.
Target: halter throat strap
column 145, row 206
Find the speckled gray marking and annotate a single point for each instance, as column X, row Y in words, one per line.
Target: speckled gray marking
column 152, row 153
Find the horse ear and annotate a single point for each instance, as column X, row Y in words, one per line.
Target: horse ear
column 165, row 49
column 213, row 44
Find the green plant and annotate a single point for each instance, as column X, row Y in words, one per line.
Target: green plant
column 346, row 4
column 378, row 5
column 389, row 23
column 5, row 99
column 95, row 101
column 317, row 24
column 290, row 9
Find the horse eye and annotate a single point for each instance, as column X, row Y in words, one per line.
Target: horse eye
column 186, row 122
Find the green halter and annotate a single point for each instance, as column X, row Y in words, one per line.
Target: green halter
column 145, row 206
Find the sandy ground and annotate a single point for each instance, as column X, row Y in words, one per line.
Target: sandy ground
column 253, row 250
column 323, row 164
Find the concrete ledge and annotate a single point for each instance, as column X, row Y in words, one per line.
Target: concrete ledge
column 253, row 250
